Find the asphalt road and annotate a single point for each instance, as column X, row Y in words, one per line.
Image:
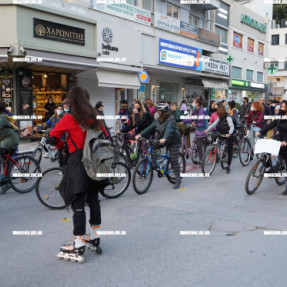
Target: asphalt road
column 153, row 252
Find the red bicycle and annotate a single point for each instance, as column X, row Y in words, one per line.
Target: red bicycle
column 20, row 171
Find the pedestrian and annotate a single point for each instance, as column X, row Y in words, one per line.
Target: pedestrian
column 244, row 110
column 49, row 108
column 82, row 117
column 150, row 104
column 232, row 110
column 175, row 111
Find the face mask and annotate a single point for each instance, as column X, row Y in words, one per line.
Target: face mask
column 59, row 112
column 103, row 109
column 193, row 105
column 66, row 110
column 273, row 105
column 252, row 109
column 282, row 112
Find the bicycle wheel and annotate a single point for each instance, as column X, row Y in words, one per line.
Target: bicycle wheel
column 194, row 154
column 47, row 189
column 224, row 158
column 209, row 160
column 119, row 157
column 171, row 176
column 37, row 154
column 255, row 176
column 142, row 176
column 245, row 151
column 25, row 165
column 282, row 169
column 118, row 185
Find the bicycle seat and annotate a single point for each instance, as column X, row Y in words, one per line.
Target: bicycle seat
column 8, row 151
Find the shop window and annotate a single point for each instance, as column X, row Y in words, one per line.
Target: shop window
column 172, row 11
column 223, row 34
column 236, row 73
column 275, row 40
column 249, row 75
column 167, row 92
column 259, row 77
column 46, row 85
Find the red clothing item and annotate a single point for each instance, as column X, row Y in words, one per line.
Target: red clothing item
column 69, row 124
column 255, row 117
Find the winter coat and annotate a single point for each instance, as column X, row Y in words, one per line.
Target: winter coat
column 9, row 138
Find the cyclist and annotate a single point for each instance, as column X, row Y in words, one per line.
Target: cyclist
column 225, row 126
column 232, row 111
column 255, row 120
column 9, row 139
column 199, row 125
column 53, row 120
column 166, row 130
column 140, row 119
column 49, row 108
column 281, row 126
column 81, row 187
column 244, row 110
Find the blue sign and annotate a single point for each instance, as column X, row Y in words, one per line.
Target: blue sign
column 143, row 77
column 178, row 55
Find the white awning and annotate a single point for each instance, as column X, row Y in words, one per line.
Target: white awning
column 215, row 84
column 111, row 79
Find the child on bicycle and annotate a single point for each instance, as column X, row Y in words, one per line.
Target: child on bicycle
column 165, row 129
column 225, row 126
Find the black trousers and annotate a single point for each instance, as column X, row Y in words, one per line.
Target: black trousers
column 85, row 190
column 229, row 142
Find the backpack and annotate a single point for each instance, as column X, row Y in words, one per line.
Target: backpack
column 98, row 155
column 235, row 122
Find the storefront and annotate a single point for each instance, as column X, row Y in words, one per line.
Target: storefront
column 253, row 91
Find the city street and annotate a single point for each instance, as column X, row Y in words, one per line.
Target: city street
column 153, row 253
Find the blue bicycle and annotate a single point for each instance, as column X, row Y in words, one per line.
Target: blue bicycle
column 143, row 173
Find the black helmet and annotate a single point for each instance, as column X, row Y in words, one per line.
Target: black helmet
column 162, row 107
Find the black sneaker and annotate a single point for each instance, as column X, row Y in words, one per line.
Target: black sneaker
column 4, row 188
column 284, row 192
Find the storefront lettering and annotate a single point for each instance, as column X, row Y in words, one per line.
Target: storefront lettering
column 109, row 47
column 253, row 23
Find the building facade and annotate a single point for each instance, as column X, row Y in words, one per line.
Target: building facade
column 157, row 49
column 244, row 40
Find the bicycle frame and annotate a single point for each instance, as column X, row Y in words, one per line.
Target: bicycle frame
column 7, row 158
column 152, row 154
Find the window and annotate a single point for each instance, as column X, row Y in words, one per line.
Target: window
column 172, row 11
column 249, row 75
column 259, row 77
column 145, row 4
column 250, row 45
column 193, row 20
column 275, row 40
column 236, row 73
column 260, row 49
column 237, row 40
column 223, row 34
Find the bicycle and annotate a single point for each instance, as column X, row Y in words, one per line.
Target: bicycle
column 245, row 150
column 48, row 193
column 145, row 167
column 216, row 152
column 192, row 151
column 52, row 150
column 20, row 171
column 262, row 165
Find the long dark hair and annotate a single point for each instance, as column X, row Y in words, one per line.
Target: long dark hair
column 141, row 112
column 82, row 110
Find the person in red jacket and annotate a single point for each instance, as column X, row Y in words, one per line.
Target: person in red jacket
column 82, row 117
